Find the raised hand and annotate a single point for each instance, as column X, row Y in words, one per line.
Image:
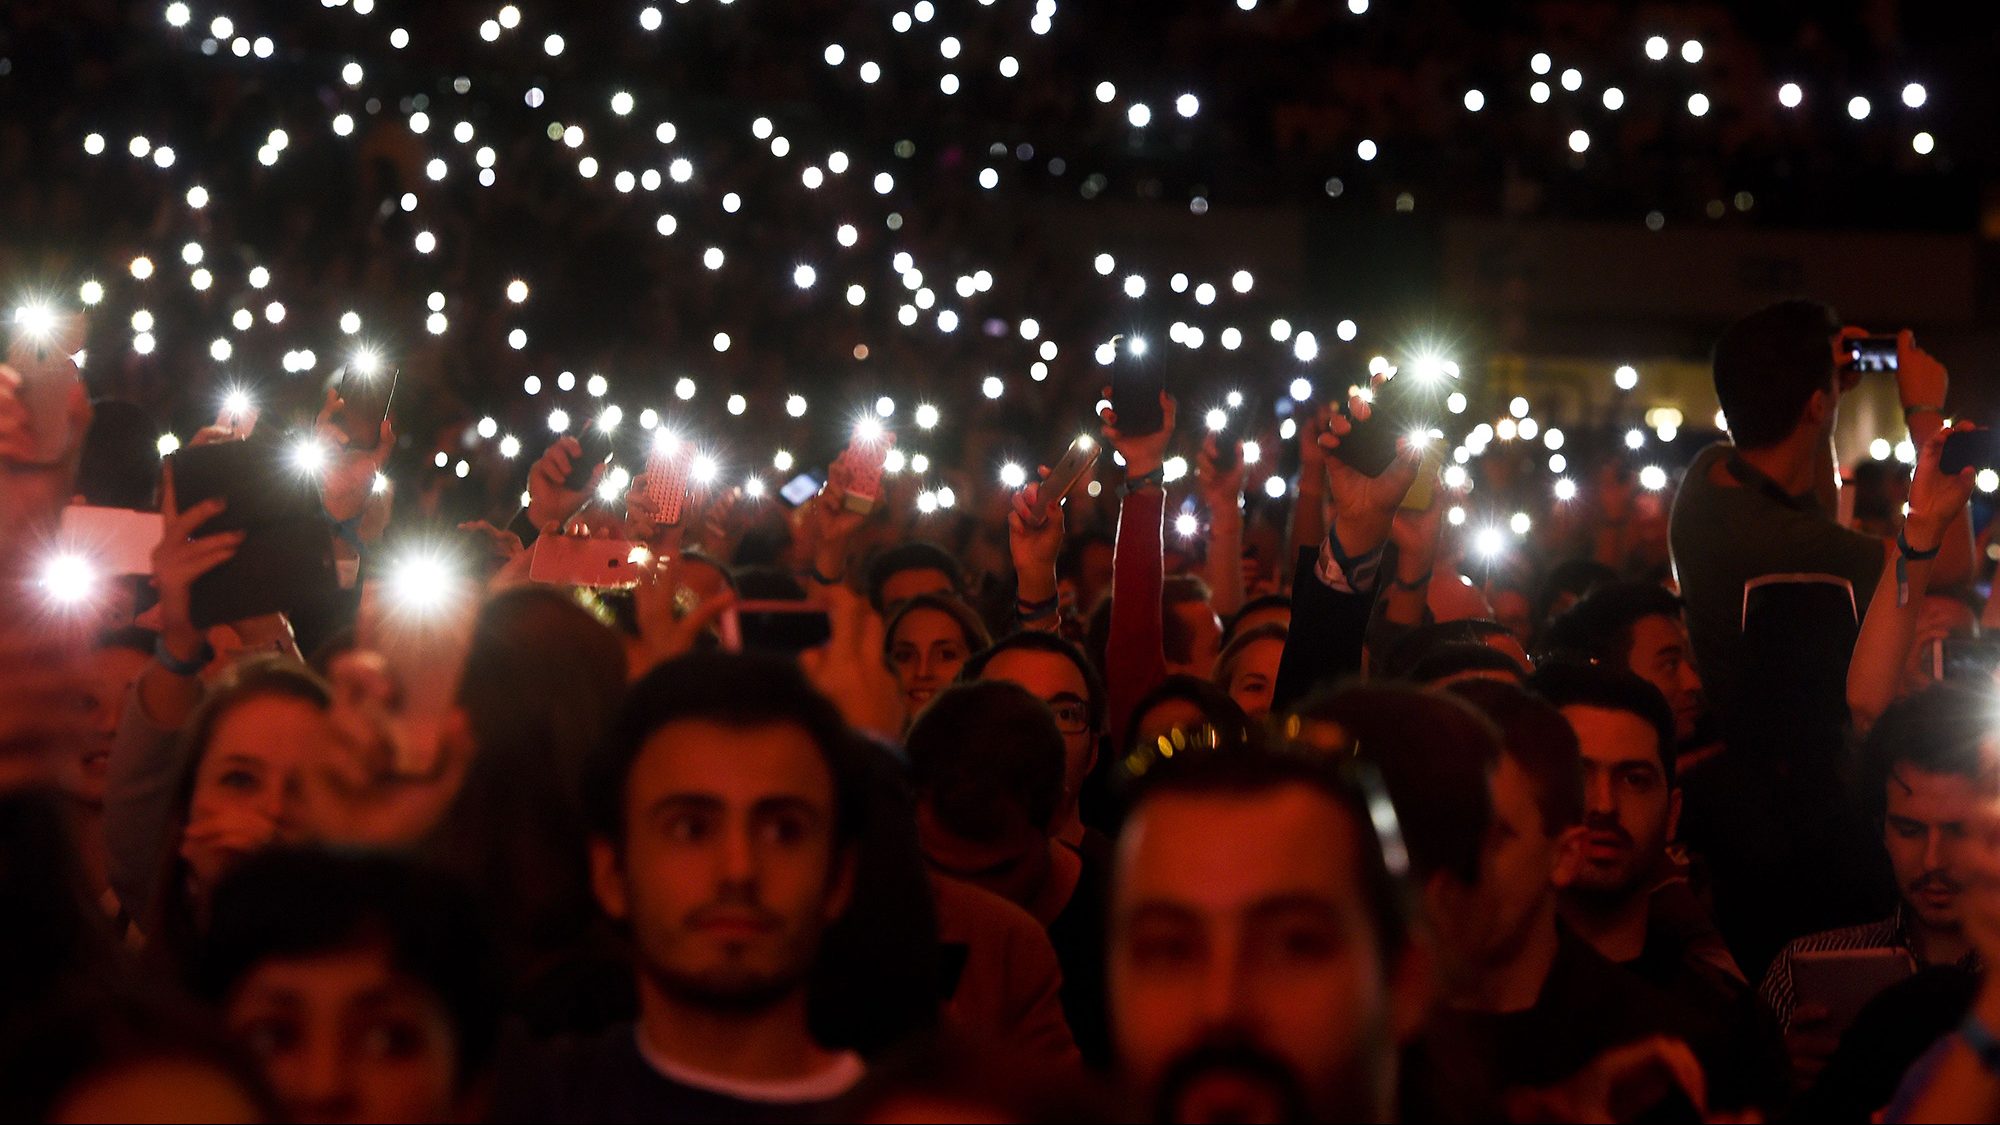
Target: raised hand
column 350, row 474
column 550, row 499
column 1222, row 491
column 1364, row 507
column 850, row 670
column 1935, row 498
column 1143, row 453
column 180, row 559
column 666, row 633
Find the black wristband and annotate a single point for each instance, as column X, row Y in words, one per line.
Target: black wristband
column 813, row 573
column 186, row 669
column 1032, row 611
column 1914, row 555
column 1158, row 478
column 1423, row 583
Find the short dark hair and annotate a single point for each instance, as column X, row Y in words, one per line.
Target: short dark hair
column 1257, row 772
column 906, row 557
column 982, row 750
column 746, row 691
column 1769, row 364
column 1576, row 577
column 1568, row 683
column 1405, row 654
column 1599, row 627
column 1540, row 741
column 1032, row 640
column 1259, row 604
column 304, row 902
column 1459, row 657
column 1436, row 753
column 1216, row 705
column 1937, row 730
column 952, row 606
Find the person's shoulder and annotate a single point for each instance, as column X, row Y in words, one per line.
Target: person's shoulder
column 1872, row 935
column 967, row 913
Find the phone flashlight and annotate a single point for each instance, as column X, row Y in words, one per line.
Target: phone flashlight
column 69, row 579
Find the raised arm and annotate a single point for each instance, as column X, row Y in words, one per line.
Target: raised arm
column 1332, row 597
column 1937, row 505
column 1135, row 658
column 1223, row 493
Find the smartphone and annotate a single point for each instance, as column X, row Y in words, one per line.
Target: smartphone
column 1844, row 981
column 1870, row 354
column 286, row 559
column 1423, row 492
column 802, row 488
column 866, row 456
column 1136, row 386
column 1964, row 658
column 44, row 356
column 667, row 475
column 600, row 564
column 119, row 540
column 1228, row 439
column 1970, row 449
column 788, row 627
column 364, row 397
column 1076, row 461
column 598, row 447
column 1370, row 447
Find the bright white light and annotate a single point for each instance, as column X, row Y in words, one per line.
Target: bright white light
column 1012, row 475
column 1538, row 93
column 1614, row 99
column 1474, row 101
column 1520, row 523
column 1281, row 330
column 1232, row 338
column 178, row 14
column 1652, row 478
column 1858, row 108
column 1241, row 281
column 559, row 421
column 804, row 277
column 1565, row 489
column 1104, row 264
column 1455, row 402
column 553, row 45
column 1635, row 439
column 712, row 257
column 927, row 416
column 69, row 579
column 1187, row 105
column 738, row 404
column 681, row 170
column 1186, row 525
column 1656, row 48
column 1914, row 95
column 1691, row 51
column 1106, row 92
column 650, row 19
column 1174, row 469
column 1135, row 286
column 1906, row 452
column 1489, row 542
column 1366, row 150
column 1306, row 347
column 1579, row 141
column 1572, row 80
column 796, row 406
column 1302, row 389
column 1698, row 104
column 1626, row 377
column 1790, row 95
column 622, row 103
column 992, row 387
column 351, row 74
column 1541, row 62
column 1923, row 144
column 721, row 341
column 1140, row 115
column 1986, row 480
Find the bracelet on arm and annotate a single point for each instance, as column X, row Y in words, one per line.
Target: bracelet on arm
column 1035, row 611
column 1920, row 408
column 348, row 531
column 1422, row 583
column 813, row 573
column 1155, row 479
column 1905, row 555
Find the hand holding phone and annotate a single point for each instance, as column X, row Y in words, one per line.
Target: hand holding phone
column 659, row 495
column 597, row 447
column 1077, row 460
column 1136, row 389
column 865, row 458
column 363, row 389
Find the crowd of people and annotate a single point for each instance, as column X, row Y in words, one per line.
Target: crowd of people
column 805, row 818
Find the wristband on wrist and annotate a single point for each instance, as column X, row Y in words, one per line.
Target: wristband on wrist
column 1921, row 408
column 1156, row 479
column 1911, row 553
column 813, row 573
column 1035, row 611
column 1982, row 1041
column 183, row 668
column 1905, row 555
column 347, row 531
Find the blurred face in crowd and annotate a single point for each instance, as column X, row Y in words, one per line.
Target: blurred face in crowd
column 927, row 653
column 1254, row 674
column 1662, row 656
column 1629, row 810
column 247, row 787
column 907, row 584
column 729, row 870
column 1269, row 615
column 343, row 1036
column 1206, row 629
column 109, row 675
column 1489, row 924
column 1927, row 819
column 159, row 1089
column 1056, row 681
column 1239, row 922
column 1938, row 619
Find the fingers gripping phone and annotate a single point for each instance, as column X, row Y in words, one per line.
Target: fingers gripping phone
column 1871, row 354
column 1397, row 410
column 364, row 390
column 43, row 354
column 597, row 450
column 866, row 456
column 1077, row 461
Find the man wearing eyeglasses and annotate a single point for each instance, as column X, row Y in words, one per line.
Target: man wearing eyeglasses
column 1057, row 673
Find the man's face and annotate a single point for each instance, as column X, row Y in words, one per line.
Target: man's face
column 344, row 1037
column 1514, row 871
column 1243, row 919
column 1926, row 821
column 730, row 872
column 1661, row 655
column 907, row 584
column 1056, row 681
column 1629, row 810
column 110, row 673
column 1206, row 628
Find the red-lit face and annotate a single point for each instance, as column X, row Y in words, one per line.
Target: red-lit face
column 1662, row 656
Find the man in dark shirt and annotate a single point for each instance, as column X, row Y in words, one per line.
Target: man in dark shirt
column 987, row 760
column 723, row 820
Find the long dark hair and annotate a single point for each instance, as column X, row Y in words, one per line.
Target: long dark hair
column 170, row 919
column 542, row 683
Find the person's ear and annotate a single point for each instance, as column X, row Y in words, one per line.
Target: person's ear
column 1820, row 406
column 1569, row 857
column 607, row 879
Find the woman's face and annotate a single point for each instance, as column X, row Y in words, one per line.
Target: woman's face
column 246, row 790
column 1254, row 674
column 926, row 654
